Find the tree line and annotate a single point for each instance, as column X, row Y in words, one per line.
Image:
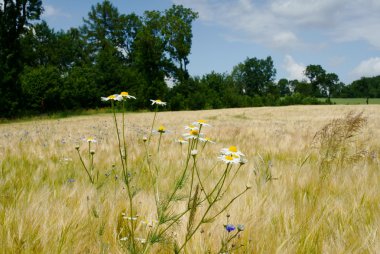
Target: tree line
column 43, row 70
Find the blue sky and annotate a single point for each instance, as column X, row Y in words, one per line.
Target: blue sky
column 341, row 35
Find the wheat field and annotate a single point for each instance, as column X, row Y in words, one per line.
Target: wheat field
column 302, row 199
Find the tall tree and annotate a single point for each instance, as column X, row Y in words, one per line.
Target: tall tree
column 331, row 83
column 39, row 45
column 150, row 58
column 177, row 31
column 254, row 76
column 316, row 75
column 131, row 26
column 284, row 86
column 104, row 34
column 15, row 17
column 103, row 27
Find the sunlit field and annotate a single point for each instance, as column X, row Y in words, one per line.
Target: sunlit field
column 308, row 189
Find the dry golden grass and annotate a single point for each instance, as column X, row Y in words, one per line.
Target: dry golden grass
column 47, row 205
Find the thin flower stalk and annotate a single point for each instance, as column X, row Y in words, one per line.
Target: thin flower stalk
column 125, row 175
column 191, row 182
column 231, row 180
column 151, row 128
column 201, row 184
column 85, row 167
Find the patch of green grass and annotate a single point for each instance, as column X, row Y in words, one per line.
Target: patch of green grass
column 64, row 114
column 352, row 101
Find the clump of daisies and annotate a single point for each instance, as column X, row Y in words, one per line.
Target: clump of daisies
column 192, row 201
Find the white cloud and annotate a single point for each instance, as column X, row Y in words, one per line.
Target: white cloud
column 367, row 68
column 307, row 13
column 292, row 21
column 295, row 70
column 284, row 38
column 51, row 11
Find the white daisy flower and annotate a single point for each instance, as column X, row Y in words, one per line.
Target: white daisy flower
column 201, row 122
column 114, row 97
column 232, row 150
column 161, row 130
column 207, row 140
column 191, row 127
column 229, row 159
column 193, row 134
column 126, row 95
column 181, row 141
column 158, row 102
column 91, row 140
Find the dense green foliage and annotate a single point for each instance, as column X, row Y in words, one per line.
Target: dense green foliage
column 42, row 71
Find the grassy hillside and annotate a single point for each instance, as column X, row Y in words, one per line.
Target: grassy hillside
column 310, row 193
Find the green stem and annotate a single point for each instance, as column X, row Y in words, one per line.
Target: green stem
column 200, row 182
column 189, row 235
column 191, row 182
column 89, row 151
column 225, row 244
column 126, row 178
column 181, row 178
column 229, row 203
column 159, row 143
column 123, row 132
column 222, row 178
column 85, row 168
column 167, row 203
column 232, row 179
column 151, row 128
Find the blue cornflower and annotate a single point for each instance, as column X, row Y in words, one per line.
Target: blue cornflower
column 230, row 227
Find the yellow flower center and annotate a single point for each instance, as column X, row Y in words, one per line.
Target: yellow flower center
column 232, row 149
column 158, row 101
column 111, row 97
column 124, row 94
column 228, row 157
column 161, row 128
column 194, row 132
column 90, row 140
column 201, row 121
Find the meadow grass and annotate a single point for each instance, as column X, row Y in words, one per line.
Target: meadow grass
column 47, row 204
column 353, row 101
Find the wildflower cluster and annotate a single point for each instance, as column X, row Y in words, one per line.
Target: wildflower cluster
column 191, row 199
